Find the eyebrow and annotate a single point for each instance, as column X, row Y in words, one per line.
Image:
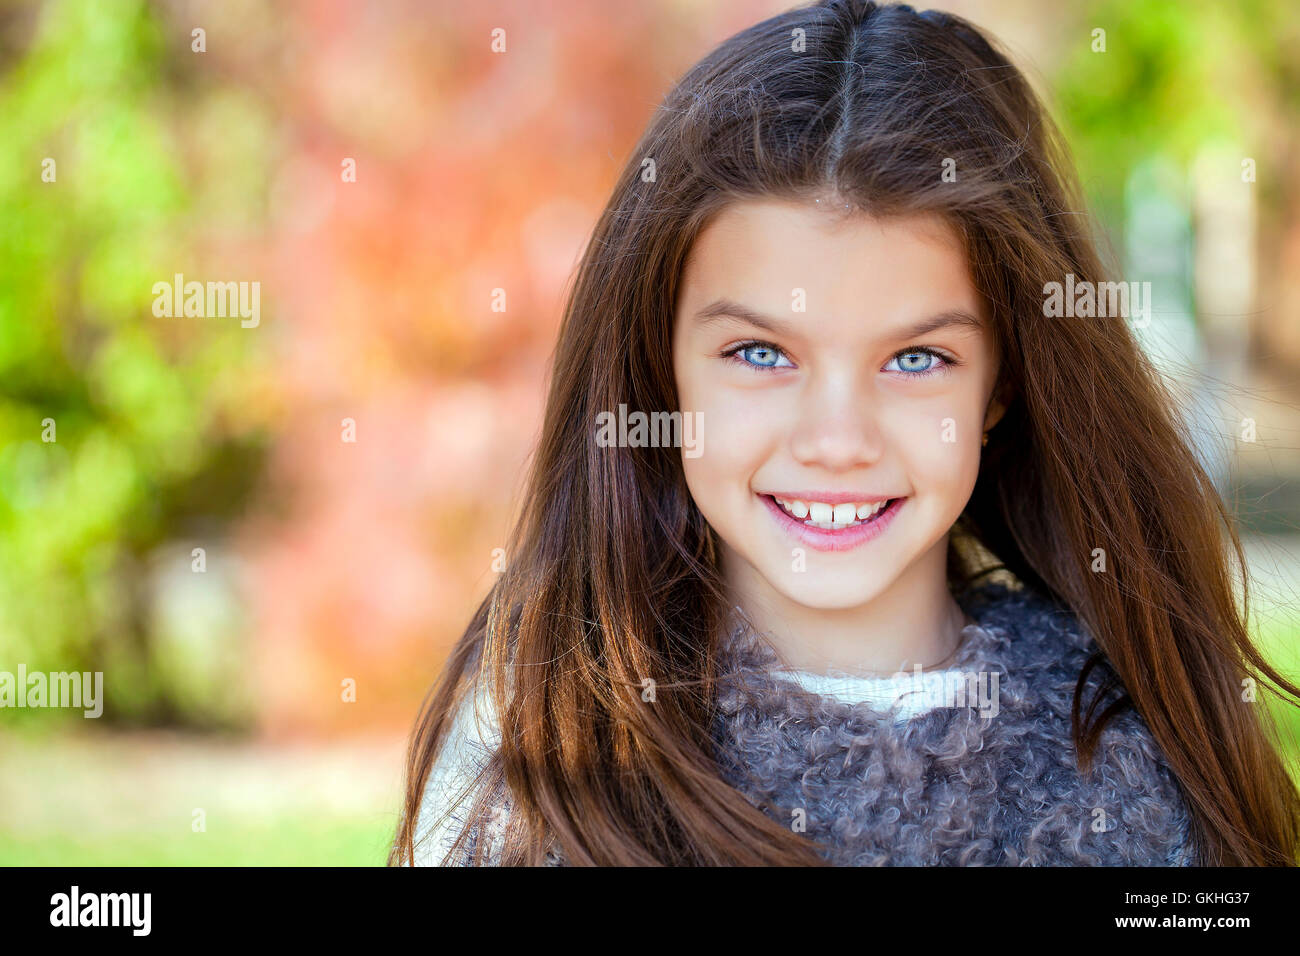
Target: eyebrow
column 726, row 308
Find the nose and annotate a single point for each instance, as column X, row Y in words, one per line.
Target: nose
column 837, row 427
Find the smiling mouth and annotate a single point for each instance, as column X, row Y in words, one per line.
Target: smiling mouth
column 834, row 517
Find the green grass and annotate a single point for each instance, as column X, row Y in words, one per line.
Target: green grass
column 1278, row 638
column 289, row 841
column 87, row 797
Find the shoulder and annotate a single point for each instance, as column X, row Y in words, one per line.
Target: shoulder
column 1131, row 776
column 456, row 779
column 1128, row 807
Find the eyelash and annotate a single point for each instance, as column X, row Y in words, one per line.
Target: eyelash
column 734, row 354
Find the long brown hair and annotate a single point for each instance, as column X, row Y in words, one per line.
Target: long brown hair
column 613, row 574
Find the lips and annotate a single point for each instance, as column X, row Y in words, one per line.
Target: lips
column 823, row 514
column 833, row 535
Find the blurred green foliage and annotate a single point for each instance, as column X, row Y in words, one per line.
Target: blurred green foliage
column 1174, row 76
column 143, row 451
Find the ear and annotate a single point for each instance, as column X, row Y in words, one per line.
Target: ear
column 994, row 414
column 998, row 403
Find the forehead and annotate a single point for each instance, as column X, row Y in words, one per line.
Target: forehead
column 772, row 252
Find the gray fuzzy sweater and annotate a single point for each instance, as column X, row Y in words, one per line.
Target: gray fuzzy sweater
column 951, row 786
column 985, row 776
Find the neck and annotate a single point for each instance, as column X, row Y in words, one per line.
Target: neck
column 914, row 621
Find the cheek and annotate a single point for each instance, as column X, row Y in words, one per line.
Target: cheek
column 737, row 438
column 919, row 432
column 735, row 442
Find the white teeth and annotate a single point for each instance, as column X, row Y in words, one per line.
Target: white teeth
column 819, row 514
column 866, row 511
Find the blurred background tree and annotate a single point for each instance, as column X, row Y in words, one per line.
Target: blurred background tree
column 149, row 448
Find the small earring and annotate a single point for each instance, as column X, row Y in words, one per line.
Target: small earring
column 986, row 440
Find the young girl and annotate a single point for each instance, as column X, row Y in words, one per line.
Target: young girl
column 935, row 580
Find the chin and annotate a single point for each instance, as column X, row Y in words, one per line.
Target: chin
column 827, row 595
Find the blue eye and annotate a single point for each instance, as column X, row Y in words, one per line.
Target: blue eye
column 916, row 362
column 759, row 355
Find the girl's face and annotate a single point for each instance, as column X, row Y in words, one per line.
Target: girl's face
column 836, row 367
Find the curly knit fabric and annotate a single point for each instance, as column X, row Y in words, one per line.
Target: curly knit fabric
column 957, row 785
column 984, row 776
